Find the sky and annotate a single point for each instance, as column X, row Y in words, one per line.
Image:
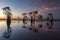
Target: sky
column 25, row 6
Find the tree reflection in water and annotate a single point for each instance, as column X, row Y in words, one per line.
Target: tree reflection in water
column 37, row 26
column 50, row 25
column 7, row 33
column 34, row 27
column 24, row 22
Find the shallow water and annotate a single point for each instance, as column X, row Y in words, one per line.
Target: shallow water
column 25, row 31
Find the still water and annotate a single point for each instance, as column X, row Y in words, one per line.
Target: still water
column 26, row 31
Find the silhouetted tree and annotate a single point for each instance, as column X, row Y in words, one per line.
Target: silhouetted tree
column 24, row 18
column 50, row 17
column 50, row 22
column 35, row 13
column 31, row 16
column 7, row 12
column 40, row 17
column 30, row 13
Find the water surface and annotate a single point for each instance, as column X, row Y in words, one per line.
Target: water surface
column 27, row 31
